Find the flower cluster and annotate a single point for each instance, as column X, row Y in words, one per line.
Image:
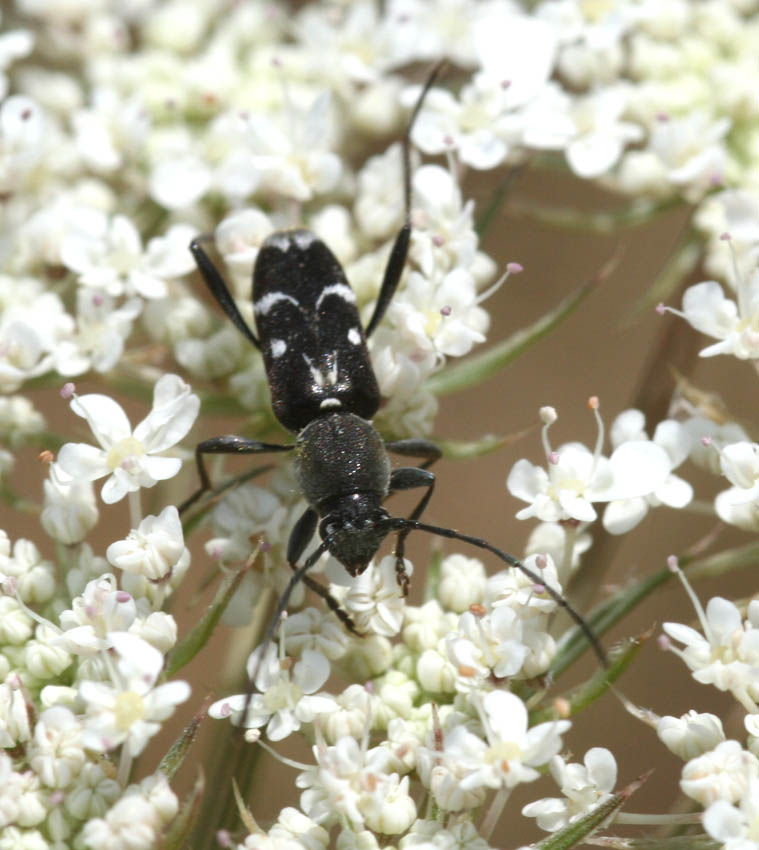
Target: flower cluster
column 126, row 131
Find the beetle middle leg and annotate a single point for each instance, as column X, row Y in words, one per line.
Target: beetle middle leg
column 409, row 478
column 229, row 444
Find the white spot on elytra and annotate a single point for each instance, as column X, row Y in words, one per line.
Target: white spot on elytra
column 265, row 304
column 354, row 336
column 278, row 347
column 342, row 290
column 330, row 402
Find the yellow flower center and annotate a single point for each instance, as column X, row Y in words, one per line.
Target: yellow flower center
column 129, row 709
column 122, row 452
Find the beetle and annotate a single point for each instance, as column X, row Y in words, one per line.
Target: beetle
column 324, row 391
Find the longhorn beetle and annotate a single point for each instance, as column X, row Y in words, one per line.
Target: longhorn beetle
column 324, row 390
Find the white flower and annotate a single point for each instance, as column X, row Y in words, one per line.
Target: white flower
column 355, row 784
column 14, row 714
column 155, row 549
column 705, row 434
column 514, row 588
column 692, row 149
column 517, row 49
column 553, row 540
column 16, row 626
column 430, row 835
column 293, row 826
column 601, row 135
column 317, row 630
column 487, row 645
column 110, row 128
column 585, row 787
column 34, row 576
column 69, row 511
column 109, row 257
column 735, row 325
column 56, row 753
column 621, row 516
column 131, row 458
column 439, row 316
column 735, row 827
column 727, row 654
column 462, row 582
column 591, row 39
column 723, row 773
column 130, row 710
column 424, row 626
column 690, row 735
column 92, row 793
column 460, row 775
column 239, row 236
column 159, row 629
column 286, row 699
column 177, row 181
column 135, row 821
column 443, row 236
column 577, row 477
column 19, row 420
column 293, row 160
column 740, row 504
column 22, row 355
column 379, row 195
column 14, row 44
column 23, row 129
column 354, row 708
column 101, row 329
column 101, row 610
column 375, row 600
column 469, row 125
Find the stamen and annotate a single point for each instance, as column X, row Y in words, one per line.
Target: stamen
column 593, row 404
column 674, row 567
column 547, row 416
column 511, row 268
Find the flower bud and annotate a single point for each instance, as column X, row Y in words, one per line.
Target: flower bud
column 14, row 715
column 462, row 582
column 42, row 658
column 69, row 510
column 435, row 673
column 690, row 735
column 389, row 810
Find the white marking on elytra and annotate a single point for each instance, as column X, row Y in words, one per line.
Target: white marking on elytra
column 354, row 336
column 280, row 240
column 283, row 240
column 342, row 290
column 277, row 347
column 265, row 304
column 331, row 402
column 303, row 238
column 323, row 377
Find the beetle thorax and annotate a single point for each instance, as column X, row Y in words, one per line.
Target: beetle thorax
column 340, row 455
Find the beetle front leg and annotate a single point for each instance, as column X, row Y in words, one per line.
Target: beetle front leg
column 409, row 478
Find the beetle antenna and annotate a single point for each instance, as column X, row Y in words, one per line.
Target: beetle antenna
column 397, row 260
column 401, row 523
column 406, row 142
